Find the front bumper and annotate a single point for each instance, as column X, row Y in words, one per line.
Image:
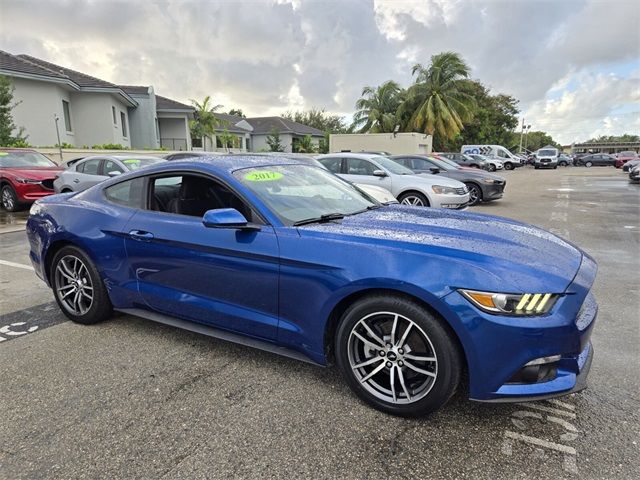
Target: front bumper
column 30, row 192
column 454, row 202
column 498, row 348
column 543, row 164
column 492, row 191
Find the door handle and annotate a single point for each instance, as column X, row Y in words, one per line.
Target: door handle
column 141, row 235
column 76, row 181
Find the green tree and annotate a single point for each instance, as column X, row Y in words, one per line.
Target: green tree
column 537, row 140
column 437, row 102
column 226, row 139
column 377, row 107
column 626, row 137
column 237, row 112
column 493, row 123
column 205, row 123
column 318, row 118
column 6, row 104
column 273, row 140
column 304, row 145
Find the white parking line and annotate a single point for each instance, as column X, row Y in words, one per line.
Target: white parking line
column 16, row 265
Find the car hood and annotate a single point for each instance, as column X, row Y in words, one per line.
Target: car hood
column 437, row 180
column 481, row 252
column 471, row 174
column 34, row 173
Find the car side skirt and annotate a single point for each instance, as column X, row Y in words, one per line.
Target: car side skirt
column 217, row 333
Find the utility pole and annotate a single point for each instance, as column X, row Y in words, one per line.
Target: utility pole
column 521, row 134
column 55, row 116
column 526, row 136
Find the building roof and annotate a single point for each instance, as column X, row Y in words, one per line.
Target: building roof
column 164, row 103
column 77, row 77
column 230, row 123
column 17, row 64
column 283, row 125
column 135, row 89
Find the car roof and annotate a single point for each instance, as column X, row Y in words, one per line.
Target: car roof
column 227, row 163
column 366, row 156
column 122, row 157
column 18, row 150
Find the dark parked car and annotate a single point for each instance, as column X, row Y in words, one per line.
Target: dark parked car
column 25, row 176
column 564, row 160
column 634, row 174
column 483, row 186
column 464, row 160
column 185, row 155
column 597, row 160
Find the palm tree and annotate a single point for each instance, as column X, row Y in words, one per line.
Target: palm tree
column 376, row 109
column 206, row 123
column 437, row 102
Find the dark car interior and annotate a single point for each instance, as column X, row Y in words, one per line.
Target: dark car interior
column 193, row 195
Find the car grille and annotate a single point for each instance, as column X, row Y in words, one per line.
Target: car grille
column 47, row 184
column 462, row 190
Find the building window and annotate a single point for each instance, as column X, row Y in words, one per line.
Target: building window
column 123, row 121
column 67, row 115
column 113, row 114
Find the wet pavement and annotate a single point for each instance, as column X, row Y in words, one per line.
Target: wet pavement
column 132, row 399
column 12, row 221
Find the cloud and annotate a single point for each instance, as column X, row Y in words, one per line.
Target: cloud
column 266, row 56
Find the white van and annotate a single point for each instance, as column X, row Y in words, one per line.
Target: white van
column 546, row 157
column 509, row 160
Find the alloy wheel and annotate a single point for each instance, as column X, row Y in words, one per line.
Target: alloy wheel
column 73, row 285
column 474, row 195
column 7, row 199
column 392, row 357
column 413, row 201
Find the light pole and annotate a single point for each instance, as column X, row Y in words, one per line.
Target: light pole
column 56, row 118
column 526, row 135
column 521, row 134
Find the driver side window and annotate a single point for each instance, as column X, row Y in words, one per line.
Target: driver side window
column 193, row 195
column 358, row 166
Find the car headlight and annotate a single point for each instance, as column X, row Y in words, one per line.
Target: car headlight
column 525, row 304
column 442, row 190
column 27, row 180
column 490, row 181
column 35, row 208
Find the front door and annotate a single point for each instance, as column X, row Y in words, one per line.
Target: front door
column 224, row 277
column 359, row 170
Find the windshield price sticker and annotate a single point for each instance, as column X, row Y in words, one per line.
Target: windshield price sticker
column 263, row 176
column 130, row 161
column 3, row 154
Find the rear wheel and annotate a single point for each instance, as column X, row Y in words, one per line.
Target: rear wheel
column 508, row 166
column 78, row 288
column 397, row 356
column 475, row 193
column 414, row 199
column 9, row 199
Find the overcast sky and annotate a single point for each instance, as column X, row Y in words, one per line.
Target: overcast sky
column 574, row 65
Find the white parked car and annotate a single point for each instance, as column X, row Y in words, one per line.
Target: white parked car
column 492, row 162
column 509, row 160
column 546, row 157
column 420, row 190
column 90, row 171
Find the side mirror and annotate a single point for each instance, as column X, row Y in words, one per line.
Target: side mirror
column 114, row 173
column 227, row 218
column 379, row 173
column 435, row 170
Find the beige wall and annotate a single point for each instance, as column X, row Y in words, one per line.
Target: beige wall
column 93, row 117
column 398, row 144
column 37, row 103
column 70, row 154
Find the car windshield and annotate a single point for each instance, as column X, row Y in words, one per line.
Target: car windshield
column 24, row 160
column 442, row 165
column 137, row 163
column 547, row 153
column 299, row 193
column 392, row 166
column 451, row 163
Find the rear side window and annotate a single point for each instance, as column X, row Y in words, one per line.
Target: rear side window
column 128, row 193
column 332, row 164
column 90, row 167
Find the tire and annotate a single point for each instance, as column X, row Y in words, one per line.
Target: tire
column 9, row 199
column 588, row 164
column 414, row 199
column 492, row 167
column 536, row 167
column 563, row 164
column 475, row 194
column 555, row 167
column 508, row 166
column 473, row 165
column 414, row 393
column 71, row 269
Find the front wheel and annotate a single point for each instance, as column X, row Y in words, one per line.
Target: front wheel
column 492, row 168
column 397, row 356
column 588, row 164
column 9, row 199
column 475, row 193
column 414, row 199
column 78, row 288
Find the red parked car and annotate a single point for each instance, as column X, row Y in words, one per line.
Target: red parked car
column 624, row 157
column 25, row 176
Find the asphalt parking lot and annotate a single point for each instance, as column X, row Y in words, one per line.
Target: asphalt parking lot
column 130, row 398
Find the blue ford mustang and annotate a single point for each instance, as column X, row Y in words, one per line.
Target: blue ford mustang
column 287, row 257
